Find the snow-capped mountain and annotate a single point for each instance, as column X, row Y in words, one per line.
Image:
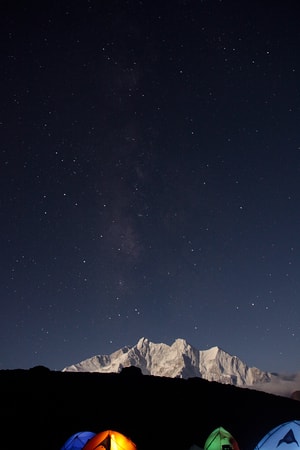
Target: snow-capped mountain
column 179, row 360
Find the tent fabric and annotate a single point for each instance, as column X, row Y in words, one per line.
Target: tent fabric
column 285, row 436
column 78, row 440
column 220, row 439
column 110, row 440
column 195, row 447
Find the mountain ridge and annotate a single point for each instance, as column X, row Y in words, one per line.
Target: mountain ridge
column 182, row 360
column 178, row 360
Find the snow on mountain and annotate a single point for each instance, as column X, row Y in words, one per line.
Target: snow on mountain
column 179, row 360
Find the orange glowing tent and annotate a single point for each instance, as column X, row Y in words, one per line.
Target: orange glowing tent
column 110, row 440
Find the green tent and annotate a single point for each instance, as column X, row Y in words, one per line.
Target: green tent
column 220, row 439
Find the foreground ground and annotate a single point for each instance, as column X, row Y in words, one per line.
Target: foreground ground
column 42, row 409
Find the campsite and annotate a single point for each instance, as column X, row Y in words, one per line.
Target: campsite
column 41, row 408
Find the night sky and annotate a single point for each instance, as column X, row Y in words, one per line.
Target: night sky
column 150, row 179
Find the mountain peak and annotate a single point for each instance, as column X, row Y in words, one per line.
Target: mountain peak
column 142, row 341
column 178, row 360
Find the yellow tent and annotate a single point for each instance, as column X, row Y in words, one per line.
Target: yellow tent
column 110, row 440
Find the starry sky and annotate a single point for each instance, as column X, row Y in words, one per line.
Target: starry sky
column 150, row 179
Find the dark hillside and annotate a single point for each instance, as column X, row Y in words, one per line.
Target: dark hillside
column 42, row 409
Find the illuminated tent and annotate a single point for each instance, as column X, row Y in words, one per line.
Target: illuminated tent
column 110, row 440
column 78, row 440
column 220, row 439
column 283, row 437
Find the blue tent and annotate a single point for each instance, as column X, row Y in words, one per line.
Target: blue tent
column 78, row 440
column 283, row 437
